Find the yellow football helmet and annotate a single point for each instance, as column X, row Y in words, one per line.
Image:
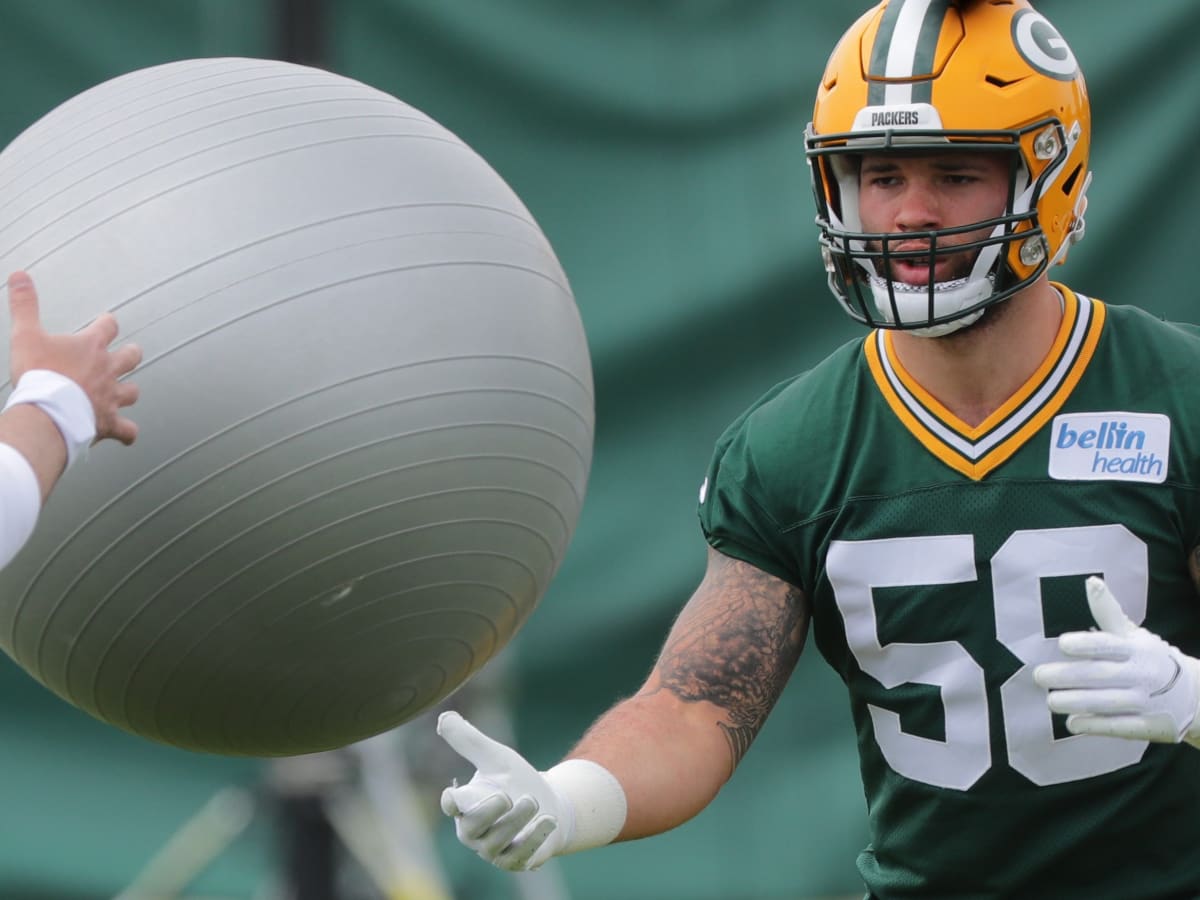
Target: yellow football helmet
column 927, row 75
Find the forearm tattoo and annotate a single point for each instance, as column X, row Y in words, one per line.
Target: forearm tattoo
column 735, row 645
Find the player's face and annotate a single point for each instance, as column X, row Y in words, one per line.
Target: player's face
column 915, row 193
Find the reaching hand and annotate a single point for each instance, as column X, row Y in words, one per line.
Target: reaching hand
column 1122, row 681
column 83, row 357
column 508, row 813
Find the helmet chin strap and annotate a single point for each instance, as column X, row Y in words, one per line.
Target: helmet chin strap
column 949, row 297
column 912, row 301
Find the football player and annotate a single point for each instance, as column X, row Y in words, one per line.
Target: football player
column 986, row 511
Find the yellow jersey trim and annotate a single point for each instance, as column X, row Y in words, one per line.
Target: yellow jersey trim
column 974, row 451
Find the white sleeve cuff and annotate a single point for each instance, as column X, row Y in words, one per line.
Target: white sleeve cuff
column 596, row 800
column 20, row 502
column 64, row 402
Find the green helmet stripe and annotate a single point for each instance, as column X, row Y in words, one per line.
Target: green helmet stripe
column 926, row 52
column 879, row 53
column 905, row 45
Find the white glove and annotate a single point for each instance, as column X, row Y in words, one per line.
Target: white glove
column 516, row 817
column 1123, row 681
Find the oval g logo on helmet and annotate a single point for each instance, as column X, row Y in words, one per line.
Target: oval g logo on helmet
column 1040, row 45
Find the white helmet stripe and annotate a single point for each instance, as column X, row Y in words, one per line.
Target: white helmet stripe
column 904, row 48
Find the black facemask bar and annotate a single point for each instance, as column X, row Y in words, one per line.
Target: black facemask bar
column 850, row 256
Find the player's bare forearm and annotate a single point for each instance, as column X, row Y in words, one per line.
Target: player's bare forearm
column 734, row 647
column 723, row 666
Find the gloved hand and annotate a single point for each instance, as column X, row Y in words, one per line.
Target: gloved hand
column 1123, row 681
column 516, row 817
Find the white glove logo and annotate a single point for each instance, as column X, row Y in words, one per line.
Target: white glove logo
column 1122, row 681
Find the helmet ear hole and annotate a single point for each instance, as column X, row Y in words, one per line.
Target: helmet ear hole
column 834, row 186
column 1068, row 184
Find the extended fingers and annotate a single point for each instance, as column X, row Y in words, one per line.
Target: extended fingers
column 1082, row 674
column 1106, row 610
column 126, row 358
column 530, row 849
column 487, row 755
column 127, row 393
column 514, row 840
column 1131, row 727
column 103, row 329
column 23, row 302
column 1105, row 726
column 123, row 430
column 1095, row 645
column 1105, row 702
column 109, row 422
column 505, row 829
column 475, row 815
column 507, row 833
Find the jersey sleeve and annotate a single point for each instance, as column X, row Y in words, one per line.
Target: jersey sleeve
column 1185, row 429
column 734, row 510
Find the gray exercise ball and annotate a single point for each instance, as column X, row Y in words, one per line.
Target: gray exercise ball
column 366, row 413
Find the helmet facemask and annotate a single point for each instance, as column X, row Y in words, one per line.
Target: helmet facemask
column 859, row 263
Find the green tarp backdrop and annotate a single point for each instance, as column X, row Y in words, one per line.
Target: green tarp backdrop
column 659, row 144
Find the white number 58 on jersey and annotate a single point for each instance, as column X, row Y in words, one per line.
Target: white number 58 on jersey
column 856, row 567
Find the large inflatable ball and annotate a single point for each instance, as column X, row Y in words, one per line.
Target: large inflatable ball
column 366, row 407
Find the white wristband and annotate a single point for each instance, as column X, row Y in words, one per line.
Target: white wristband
column 596, row 800
column 64, row 402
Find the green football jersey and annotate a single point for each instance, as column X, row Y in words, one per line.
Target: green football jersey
column 942, row 561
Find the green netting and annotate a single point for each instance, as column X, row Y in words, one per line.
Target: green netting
column 658, row 142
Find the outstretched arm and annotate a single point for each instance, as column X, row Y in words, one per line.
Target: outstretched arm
column 73, row 380
column 656, row 759
column 724, row 664
column 67, row 392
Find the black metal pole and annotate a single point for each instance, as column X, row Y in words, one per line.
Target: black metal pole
column 301, row 28
column 308, row 848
